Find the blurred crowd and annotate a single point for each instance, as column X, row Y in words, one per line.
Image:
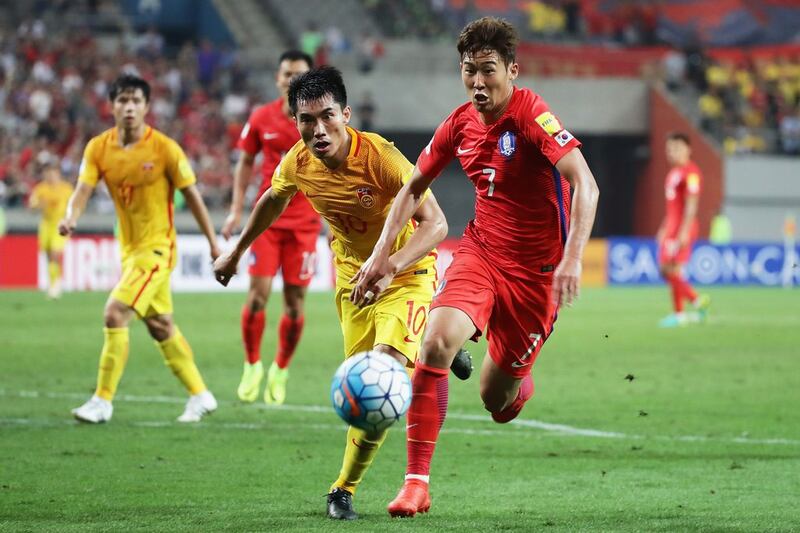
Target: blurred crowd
column 754, row 105
column 750, row 104
column 53, row 98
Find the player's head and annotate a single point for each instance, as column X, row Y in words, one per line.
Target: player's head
column 291, row 64
column 487, row 51
column 51, row 172
column 130, row 101
column 679, row 148
column 318, row 101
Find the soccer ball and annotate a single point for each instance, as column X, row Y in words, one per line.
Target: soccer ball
column 371, row 390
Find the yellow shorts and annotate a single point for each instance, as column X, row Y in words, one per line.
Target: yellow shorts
column 396, row 319
column 49, row 239
column 144, row 285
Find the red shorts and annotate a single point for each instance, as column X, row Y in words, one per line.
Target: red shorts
column 669, row 252
column 518, row 314
column 295, row 252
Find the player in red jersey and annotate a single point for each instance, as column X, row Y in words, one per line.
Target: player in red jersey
column 518, row 260
column 678, row 230
column 290, row 243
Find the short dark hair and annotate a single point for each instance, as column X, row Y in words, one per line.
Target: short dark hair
column 315, row 84
column 679, row 136
column 296, row 55
column 489, row 33
column 128, row 82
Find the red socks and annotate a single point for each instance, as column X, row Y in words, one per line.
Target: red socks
column 510, row 413
column 425, row 416
column 680, row 290
column 252, row 330
column 289, row 331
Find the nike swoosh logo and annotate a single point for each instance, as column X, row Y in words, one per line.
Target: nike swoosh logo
column 407, row 339
column 517, row 364
column 268, row 136
column 464, row 150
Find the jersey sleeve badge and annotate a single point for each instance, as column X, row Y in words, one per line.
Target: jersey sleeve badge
column 563, row 138
column 549, row 123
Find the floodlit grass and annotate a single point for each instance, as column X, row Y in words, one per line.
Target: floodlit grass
column 703, row 435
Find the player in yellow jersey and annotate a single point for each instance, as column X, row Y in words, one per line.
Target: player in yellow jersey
column 141, row 168
column 51, row 196
column 350, row 178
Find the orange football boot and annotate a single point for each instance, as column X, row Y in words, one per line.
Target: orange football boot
column 413, row 498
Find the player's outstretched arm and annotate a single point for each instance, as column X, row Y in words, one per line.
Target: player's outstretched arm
column 75, row 207
column 566, row 280
column 268, row 208
column 405, row 205
column 200, row 213
column 241, row 178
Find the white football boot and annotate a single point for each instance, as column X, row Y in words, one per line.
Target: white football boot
column 95, row 411
column 198, row 406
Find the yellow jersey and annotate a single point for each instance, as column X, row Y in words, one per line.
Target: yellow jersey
column 354, row 199
column 141, row 179
column 52, row 199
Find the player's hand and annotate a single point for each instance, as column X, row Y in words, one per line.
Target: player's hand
column 371, row 279
column 567, row 281
column 225, row 267
column 216, row 251
column 66, row 227
column 682, row 240
column 231, row 224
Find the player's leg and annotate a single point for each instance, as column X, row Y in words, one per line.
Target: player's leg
column 113, row 357
column 253, row 323
column 447, row 330
column 671, row 272
column 358, row 330
column 298, row 262
column 460, row 309
column 503, row 395
column 521, row 322
column 54, row 273
column 264, row 261
column 179, row 357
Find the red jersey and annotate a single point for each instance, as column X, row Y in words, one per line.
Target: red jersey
column 522, row 203
column 681, row 182
column 269, row 130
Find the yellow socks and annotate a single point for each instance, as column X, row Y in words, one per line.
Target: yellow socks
column 112, row 361
column 179, row 358
column 358, row 455
column 53, row 273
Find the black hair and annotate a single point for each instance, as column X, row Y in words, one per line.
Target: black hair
column 489, row 33
column 128, row 82
column 296, row 55
column 316, row 84
column 679, row 136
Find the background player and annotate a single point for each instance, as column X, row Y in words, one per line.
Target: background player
column 141, row 168
column 678, row 230
column 350, row 178
column 290, row 243
column 51, row 197
column 518, row 259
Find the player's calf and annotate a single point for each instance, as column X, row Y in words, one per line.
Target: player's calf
column 512, row 410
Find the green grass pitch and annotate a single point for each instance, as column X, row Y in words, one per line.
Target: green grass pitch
column 705, row 437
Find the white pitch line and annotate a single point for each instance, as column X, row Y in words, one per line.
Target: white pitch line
column 555, row 429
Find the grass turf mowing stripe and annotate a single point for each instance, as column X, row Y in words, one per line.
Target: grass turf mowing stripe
column 557, row 429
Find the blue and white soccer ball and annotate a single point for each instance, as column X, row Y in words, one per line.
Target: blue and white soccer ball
column 371, row 390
